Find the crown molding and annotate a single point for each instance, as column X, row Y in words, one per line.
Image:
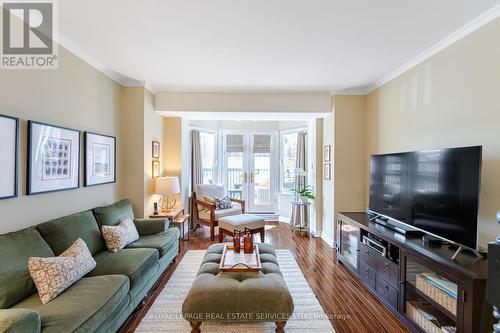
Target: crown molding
column 449, row 40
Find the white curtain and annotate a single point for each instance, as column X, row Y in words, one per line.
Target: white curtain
column 197, row 163
column 300, row 181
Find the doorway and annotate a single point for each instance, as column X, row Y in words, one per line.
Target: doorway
column 249, row 171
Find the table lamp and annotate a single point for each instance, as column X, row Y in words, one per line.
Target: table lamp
column 167, row 187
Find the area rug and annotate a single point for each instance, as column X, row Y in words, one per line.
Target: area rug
column 165, row 314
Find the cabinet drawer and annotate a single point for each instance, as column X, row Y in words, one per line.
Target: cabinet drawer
column 367, row 273
column 369, row 255
column 388, row 292
column 388, row 270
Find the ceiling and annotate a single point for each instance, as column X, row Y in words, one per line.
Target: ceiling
column 261, row 45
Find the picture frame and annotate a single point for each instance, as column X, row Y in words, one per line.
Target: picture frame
column 327, row 153
column 100, row 159
column 156, row 169
column 53, row 158
column 156, row 149
column 9, row 157
column 327, row 171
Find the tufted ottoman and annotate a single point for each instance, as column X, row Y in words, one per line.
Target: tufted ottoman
column 238, row 297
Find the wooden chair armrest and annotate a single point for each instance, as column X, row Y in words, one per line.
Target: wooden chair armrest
column 205, row 204
column 237, row 200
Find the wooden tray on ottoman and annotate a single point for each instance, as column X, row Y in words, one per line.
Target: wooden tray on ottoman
column 240, row 262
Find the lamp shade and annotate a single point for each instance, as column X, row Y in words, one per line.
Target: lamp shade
column 167, row 185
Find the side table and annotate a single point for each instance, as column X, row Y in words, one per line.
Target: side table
column 300, row 216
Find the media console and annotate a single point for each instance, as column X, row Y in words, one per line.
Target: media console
column 417, row 281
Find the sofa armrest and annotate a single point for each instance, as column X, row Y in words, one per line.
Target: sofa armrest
column 151, row 226
column 19, row 321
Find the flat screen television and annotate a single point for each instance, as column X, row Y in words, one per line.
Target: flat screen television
column 435, row 191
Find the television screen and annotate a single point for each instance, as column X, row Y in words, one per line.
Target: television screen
column 436, row 191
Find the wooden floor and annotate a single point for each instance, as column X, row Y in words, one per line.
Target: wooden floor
column 351, row 307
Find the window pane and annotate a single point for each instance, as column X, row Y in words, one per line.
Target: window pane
column 235, row 174
column 207, row 142
column 289, row 161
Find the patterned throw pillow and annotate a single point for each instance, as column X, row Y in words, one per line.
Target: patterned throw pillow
column 117, row 237
column 55, row 274
column 223, row 203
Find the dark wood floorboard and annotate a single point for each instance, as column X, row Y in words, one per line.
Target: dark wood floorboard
column 351, row 307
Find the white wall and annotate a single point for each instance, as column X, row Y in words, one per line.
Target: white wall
column 243, row 102
column 328, row 208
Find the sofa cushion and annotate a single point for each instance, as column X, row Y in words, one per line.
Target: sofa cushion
column 15, row 249
column 19, row 320
column 134, row 263
column 113, row 214
column 62, row 232
column 83, row 307
column 162, row 241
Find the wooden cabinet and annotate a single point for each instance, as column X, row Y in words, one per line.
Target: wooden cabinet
column 404, row 278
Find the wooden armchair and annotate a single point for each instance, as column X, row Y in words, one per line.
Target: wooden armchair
column 205, row 213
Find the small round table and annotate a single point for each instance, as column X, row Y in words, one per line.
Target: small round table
column 300, row 216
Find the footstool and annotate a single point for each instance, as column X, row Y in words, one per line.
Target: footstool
column 238, row 297
column 228, row 224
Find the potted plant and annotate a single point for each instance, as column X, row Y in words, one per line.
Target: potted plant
column 304, row 194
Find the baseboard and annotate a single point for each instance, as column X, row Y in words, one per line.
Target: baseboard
column 316, row 233
column 328, row 240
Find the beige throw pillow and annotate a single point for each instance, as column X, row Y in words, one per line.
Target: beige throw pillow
column 55, row 274
column 117, row 237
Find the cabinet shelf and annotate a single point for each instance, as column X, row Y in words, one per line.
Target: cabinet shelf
column 411, row 289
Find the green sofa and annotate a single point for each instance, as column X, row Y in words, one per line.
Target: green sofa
column 102, row 300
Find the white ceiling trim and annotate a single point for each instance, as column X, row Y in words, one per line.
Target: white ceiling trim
column 244, row 116
column 451, row 39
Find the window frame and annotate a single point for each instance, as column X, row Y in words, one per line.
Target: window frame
column 215, row 168
column 282, row 133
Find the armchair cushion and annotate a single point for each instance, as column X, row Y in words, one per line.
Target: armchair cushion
column 209, row 190
column 151, row 226
column 19, row 321
column 235, row 210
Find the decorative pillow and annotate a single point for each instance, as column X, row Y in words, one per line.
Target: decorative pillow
column 117, row 237
column 223, row 203
column 210, row 200
column 55, row 274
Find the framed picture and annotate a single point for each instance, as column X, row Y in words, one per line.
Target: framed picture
column 100, row 159
column 53, row 158
column 9, row 156
column 327, row 171
column 156, row 149
column 156, row 169
column 327, row 153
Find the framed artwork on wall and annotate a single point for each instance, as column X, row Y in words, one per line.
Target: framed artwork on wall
column 100, row 159
column 53, row 158
column 9, row 156
column 327, row 153
column 156, row 149
column 156, row 169
column 327, row 171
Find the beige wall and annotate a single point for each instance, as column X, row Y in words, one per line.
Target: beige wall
column 75, row 96
column 172, row 137
column 132, row 143
column 349, row 157
column 154, row 130
column 344, row 130
column 450, row 100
